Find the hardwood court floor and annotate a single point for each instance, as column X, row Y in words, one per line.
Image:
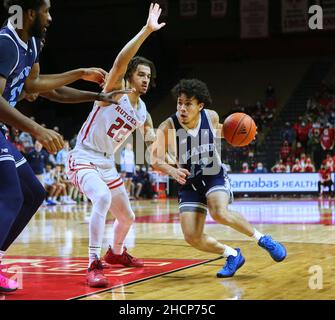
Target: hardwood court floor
column 306, row 227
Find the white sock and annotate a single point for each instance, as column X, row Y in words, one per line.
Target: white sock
column 2, row 253
column 257, row 235
column 93, row 252
column 228, row 251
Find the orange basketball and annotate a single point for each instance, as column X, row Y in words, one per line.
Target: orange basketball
column 239, row 129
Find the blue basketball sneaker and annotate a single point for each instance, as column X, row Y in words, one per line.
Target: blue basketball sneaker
column 232, row 265
column 276, row 250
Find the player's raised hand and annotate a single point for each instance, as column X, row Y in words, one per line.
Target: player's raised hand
column 154, row 14
column 111, row 97
column 180, row 175
column 97, row 75
column 50, row 139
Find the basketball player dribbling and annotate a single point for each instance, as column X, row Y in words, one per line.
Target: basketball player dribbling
column 91, row 165
column 188, row 137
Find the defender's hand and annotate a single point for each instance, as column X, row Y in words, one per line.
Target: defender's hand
column 96, row 75
column 180, row 175
column 50, row 139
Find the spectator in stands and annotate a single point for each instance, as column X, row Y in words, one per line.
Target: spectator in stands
column 302, row 132
column 260, row 168
column 279, row 167
column 309, row 167
column 297, row 166
column 245, row 168
column 27, row 141
column 329, row 161
column 53, row 188
column 65, row 185
column 285, row 151
column 327, row 140
column 325, row 180
column 127, row 162
column 288, row 134
column 299, row 150
column 62, row 154
column 314, row 144
column 142, row 183
column 37, row 160
column 303, row 161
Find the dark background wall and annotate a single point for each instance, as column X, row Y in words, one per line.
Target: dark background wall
column 90, row 33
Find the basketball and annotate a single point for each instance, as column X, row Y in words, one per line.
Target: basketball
column 239, row 129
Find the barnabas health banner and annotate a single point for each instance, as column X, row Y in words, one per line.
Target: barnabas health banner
column 275, row 182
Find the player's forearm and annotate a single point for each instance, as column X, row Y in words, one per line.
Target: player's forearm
column 70, row 95
column 45, row 83
column 14, row 118
column 126, row 54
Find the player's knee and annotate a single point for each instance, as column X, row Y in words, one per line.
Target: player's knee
column 221, row 215
column 127, row 218
column 103, row 199
column 192, row 239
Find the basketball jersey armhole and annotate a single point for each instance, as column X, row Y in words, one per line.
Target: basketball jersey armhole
column 209, row 119
column 17, row 49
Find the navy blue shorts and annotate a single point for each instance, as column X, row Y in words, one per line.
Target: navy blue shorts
column 8, row 152
column 193, row 197
column 129, row 175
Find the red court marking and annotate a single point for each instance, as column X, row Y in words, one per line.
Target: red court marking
column 48, row 278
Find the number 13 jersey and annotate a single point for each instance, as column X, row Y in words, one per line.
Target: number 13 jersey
column 106, row 128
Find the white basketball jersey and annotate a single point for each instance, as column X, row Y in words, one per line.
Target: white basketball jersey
column 106, row 128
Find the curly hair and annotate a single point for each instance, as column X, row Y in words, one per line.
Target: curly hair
column 193, row 88
column 132, row 66
column 24, row 4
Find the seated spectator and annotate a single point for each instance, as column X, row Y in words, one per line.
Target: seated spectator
column 309, row 167
column 329, row 161
column 142, row 183
column 303, row 161
column 279, row 167
column 245, row 168
column 325, row 180
column 53, row 188
column 260, row 168
column 297, row 167
column 63, row 181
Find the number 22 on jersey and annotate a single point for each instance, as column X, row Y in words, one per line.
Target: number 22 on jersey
column 119, row 130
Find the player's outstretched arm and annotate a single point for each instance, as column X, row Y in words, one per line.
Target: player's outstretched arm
column 72, row 95
column 51, row 140
column 115, row 77
column 160, row 149
column 44, row 83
